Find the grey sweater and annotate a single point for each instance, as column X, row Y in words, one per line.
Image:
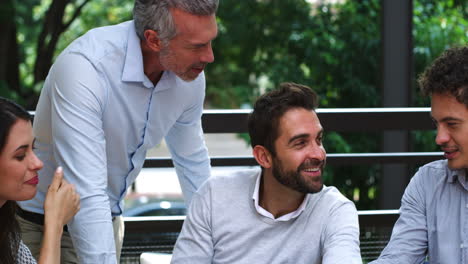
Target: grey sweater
column 222, row 226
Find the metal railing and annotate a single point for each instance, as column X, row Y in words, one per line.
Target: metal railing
column 332, row 119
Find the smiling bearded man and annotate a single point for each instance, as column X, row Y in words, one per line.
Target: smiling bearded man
column 282, row 213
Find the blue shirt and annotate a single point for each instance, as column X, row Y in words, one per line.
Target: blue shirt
column 97, row 116
column 433, row 219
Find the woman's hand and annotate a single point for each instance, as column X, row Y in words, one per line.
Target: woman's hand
column 61, row 203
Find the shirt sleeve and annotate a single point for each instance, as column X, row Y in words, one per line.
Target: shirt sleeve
column 341, row 244
column 188, row 150
column 195, row 243
column 408, row 243
column 77, row 99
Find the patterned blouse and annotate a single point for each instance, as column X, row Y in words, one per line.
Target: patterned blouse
column 24, row 255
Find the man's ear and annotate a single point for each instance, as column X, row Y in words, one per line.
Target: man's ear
column 263, row 156
column 152, row 40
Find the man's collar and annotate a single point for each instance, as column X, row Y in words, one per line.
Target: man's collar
column 457, row 175
column 133, row 70
column 453, row 175
column 263, row 212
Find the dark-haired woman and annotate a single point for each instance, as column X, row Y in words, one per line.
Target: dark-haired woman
column 18, row 180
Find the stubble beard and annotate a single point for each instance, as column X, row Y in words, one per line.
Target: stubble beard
column 168, row 61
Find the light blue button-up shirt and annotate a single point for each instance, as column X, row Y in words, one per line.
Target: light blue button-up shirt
column 97, row 116
column 433, row 219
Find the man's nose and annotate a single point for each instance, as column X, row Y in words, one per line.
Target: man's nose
column 442, row 136
column 317, row 152
column 207, row 55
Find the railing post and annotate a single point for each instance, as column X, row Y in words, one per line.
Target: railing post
column 396, row 83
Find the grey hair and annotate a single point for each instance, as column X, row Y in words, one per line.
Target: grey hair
column 155, row 15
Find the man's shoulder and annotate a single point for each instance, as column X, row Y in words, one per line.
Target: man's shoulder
column 228, row 187
column 101, row 41
column 234, row 178
column 331, row 193
column 332, row 209
column 434, row 171
column 436, row 165
column 328, row 199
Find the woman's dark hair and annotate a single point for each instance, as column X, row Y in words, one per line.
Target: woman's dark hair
column 10, row 238
column 9, row 233
column 263, row 122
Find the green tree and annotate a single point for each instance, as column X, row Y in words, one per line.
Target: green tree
column 333, row 48
column 438, row 25
column 257, row 41
column 344, row 63
column 36, row 31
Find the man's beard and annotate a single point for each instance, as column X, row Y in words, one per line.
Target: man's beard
column 294, row 179
column 167, row 60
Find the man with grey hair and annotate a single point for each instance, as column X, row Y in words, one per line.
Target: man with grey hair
column 111, row 95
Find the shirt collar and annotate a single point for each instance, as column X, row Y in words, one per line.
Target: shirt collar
column 267, row 214
column 453, row 175
column 133, row 70
column 457, row 175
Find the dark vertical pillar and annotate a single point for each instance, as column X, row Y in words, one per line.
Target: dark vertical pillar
column 396, row 76
column 9, row 57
